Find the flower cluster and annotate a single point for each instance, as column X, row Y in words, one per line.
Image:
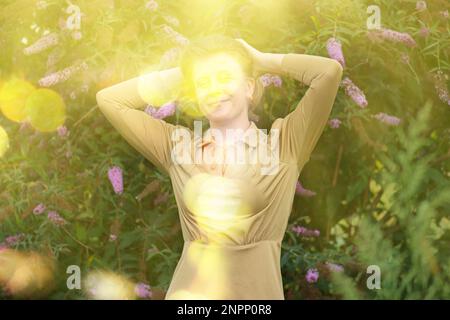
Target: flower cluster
column 267, row 79
column 354, row 92
column 143, row 290
column 388, row 119
column 334, row 49
column 162, row 112
column 116, row 179
column 55, row 218
column 392, row 35
column 62, row 75
column 312, row 275
column 43, row 43
column 334, row 123
column 304, row 232
column 440, row 84
column 11, row 241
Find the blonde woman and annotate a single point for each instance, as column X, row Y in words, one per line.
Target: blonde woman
column 233, row 215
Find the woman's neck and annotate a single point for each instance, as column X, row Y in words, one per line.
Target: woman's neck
column 238, row 126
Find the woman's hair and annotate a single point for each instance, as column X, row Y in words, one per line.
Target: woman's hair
column 200, row 48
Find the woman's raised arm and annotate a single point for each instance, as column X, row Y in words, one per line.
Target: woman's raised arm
column 301, row 129
column 121, row 102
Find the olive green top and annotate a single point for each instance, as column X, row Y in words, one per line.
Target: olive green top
column 233, row 217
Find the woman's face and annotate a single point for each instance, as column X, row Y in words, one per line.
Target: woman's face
column 222, row 89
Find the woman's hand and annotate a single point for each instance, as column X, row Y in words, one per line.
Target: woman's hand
column 256, row 55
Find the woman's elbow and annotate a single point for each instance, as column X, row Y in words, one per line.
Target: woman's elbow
column 336, row 69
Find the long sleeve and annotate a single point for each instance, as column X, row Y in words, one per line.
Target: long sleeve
column 120, row 104
column 301, row 129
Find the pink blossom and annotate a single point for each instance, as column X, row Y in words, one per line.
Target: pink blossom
column 334, row 123
column 268, row 79
column 162, row 112
column 116, row 179
column 62, row 75
column 385, row 118
column 334, row 49
column 39, row 209
column 304, row 232
column 312, row 275
column 302, row 191
column 391, row 35
column 354, row 92
column 43, row 43
column 112, row 237
column 440, row 85
column 55, row 218
column 62, row 131
column 11, row 241
column 143, row 290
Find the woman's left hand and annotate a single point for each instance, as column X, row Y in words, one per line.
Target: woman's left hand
column 256, row 55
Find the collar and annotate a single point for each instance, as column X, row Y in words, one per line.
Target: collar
column 250, row 136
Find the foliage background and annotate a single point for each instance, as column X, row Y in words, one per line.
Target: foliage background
column 382, row 191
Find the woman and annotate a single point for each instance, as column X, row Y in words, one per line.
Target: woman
column 233, row 216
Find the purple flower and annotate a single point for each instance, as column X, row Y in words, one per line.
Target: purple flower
column 440, row 84
column 116, row 179
column 302, row 191
column 304, row 232
column 385, row 118
column 143, row 290
column 312, row 275
column 276, row 81
column 334, row 123
column 354, row 92
column 334, row 49
column 13, row 240
column 268, row 79
column 112, row 237
column 43, row 43
column 421, row 5
column 162, row 112
column 391, row 35
column 334, row 267
column 55, row 218
column 39, row 209
column 62, row 131
column 62, row 75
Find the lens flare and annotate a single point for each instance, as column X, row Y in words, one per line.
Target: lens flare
column 26, row 275
column 107, row 285
column 46, row 110
column 154, row 91
column 13, row 97
column 218, row 205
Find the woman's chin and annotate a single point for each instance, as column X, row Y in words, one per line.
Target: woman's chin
column 220, row 112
